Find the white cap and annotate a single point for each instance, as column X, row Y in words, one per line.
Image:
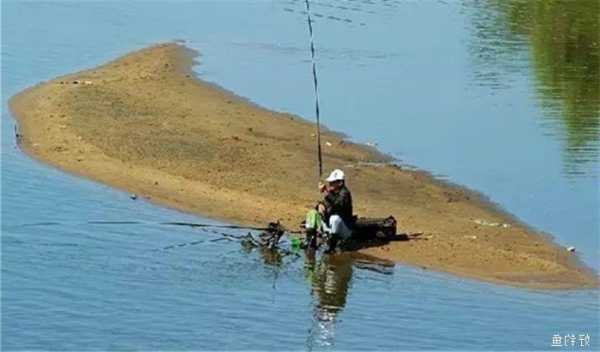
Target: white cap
column 336, row 175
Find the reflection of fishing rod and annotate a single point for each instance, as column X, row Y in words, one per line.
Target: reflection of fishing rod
column 314, row 72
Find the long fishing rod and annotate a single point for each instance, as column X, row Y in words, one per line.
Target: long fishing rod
column 208, row 227
column 167, row 223
column 314, row 72
column 127, row 222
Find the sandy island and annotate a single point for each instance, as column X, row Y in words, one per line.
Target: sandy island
column 144, row 123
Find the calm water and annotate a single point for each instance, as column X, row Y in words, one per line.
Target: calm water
column 482, row 93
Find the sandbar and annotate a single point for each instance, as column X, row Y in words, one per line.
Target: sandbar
column 145, row 123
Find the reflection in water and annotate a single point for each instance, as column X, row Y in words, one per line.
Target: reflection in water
column 560, row 39
column 330, row 279
column 271, row 256
column 329, row 276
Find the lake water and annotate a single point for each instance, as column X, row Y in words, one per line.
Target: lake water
column 482, row 93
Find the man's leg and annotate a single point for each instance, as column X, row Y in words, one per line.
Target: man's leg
column 338, row 231
column 312, row 224
column 338, row 227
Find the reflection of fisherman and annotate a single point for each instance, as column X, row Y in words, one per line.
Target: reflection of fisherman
column 330, row 280
column 333, row 215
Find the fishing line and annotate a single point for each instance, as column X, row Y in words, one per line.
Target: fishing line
column 315, row 83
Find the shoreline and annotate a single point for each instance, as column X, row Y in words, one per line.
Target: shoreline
column 146, row 124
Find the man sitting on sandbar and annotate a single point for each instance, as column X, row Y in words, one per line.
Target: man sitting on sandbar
column 333, row 215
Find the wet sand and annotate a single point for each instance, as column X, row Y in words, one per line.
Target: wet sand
column 144, row 123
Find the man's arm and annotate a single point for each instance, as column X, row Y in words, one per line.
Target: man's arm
column 334, row 203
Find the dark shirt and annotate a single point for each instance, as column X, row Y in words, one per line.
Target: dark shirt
column 340, row 203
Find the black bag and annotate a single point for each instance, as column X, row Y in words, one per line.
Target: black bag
column 367, row 228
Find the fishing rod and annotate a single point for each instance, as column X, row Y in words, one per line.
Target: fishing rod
column 127, row 222
column 167, row 223
column 314, row 72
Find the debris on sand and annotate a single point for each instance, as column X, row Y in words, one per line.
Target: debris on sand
column 488, row 223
